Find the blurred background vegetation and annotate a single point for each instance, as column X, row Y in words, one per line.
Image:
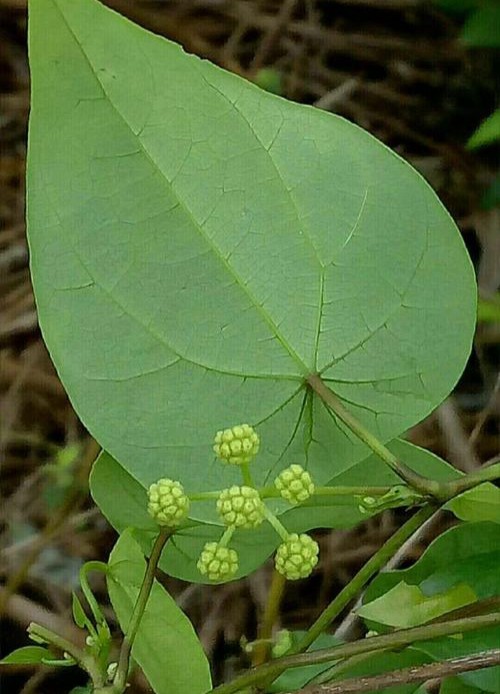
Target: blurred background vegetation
column 423, row 77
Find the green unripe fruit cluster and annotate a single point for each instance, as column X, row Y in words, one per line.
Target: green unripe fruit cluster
column 297, row 557
column 217, row 563
column 237, row 445
column 240, row 507
column 167, row 502
column 294, row 484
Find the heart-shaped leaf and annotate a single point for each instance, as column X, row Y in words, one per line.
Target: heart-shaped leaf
column 199, row 246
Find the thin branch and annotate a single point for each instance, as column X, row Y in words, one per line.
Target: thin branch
column 395, row 640
column 417, row 673
column 372, row 566
column 263, row 648
column 120, row 680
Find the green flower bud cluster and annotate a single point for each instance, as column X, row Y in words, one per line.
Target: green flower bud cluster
column 216, row 562
column 297, row 557
column 240, row 507
column 294, row 484
column 237, row 445
column 167, row 502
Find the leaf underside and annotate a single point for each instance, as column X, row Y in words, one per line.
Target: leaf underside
column 198, row 246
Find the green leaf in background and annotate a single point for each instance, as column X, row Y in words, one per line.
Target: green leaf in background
column 126, row 507
column 482, row 27
column 465, row 554
column 198, row 246
column 407, row 606
column 452, row 685
column 457, row 6
column 296, row 678
column 479, row 504
column 28, row 655
column 491, row 197
column 489, row 130
column 488, row 310
column 166, row 646
column 269, row 79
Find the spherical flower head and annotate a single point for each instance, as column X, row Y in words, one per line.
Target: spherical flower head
column 217, row 563
column 294, row 484
column 297, row 557
column 240, row 507
column 237, row 445
column 167, row 502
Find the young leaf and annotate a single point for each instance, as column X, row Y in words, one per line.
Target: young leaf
column 479, row 504
column 79, row 615
column 166, row 646
column 407, row 606
column 488, row 132
column 28, row 655
column 199, row 246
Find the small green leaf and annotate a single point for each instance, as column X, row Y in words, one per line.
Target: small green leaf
column 457, row 6
column 28, row 655
column 481, row 27
column 406, row 605
column 79, row 615
column 270, row 80
column 166, row 646
column 479, row 504
column 489, row 130
column 491, row 196
column 488, row 309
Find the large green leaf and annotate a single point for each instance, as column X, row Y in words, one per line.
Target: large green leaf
column 199, row 246
column 123, row 501
column 166, row 646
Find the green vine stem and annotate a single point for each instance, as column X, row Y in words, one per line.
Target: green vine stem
column 414, row 479
column 395, row 640
column 489, row 473
column 276, row 524
column 120, row 679
column 263, row 648
column 41, row 634
column 372, row 566
column 354, row 587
